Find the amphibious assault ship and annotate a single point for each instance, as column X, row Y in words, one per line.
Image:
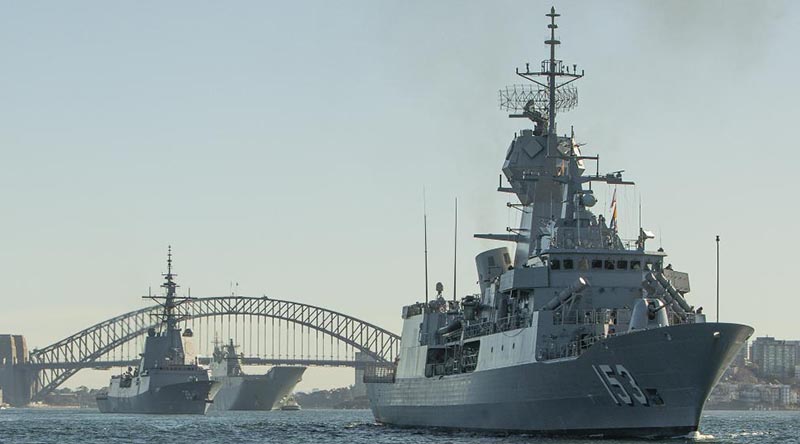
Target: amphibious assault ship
column 239, row 391
column 579, row 332
column 163, row 383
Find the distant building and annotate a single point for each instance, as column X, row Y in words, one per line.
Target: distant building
column 724, row 393
column 796, row 345
column 741, row 358
column 774, row 358
column 787, row 395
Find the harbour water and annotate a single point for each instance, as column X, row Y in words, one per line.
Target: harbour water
column 86, row 426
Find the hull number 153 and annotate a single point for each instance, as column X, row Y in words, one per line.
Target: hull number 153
column 620, row 384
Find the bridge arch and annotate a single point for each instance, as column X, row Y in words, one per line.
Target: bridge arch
column 54, row 364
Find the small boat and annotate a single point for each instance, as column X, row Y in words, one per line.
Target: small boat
column 290, row 404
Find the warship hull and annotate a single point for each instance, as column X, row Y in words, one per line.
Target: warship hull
column 650, row 383
column 189, row 398
column 256, row 392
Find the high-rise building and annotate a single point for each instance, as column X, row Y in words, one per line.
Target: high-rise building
column 774, row 358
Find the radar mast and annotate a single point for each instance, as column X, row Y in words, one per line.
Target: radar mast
column 170, row 301
column 551, row 94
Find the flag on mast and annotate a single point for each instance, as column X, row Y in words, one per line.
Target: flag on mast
column 613, row 225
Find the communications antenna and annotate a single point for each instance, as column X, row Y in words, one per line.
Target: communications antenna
column 425, row 225
column 455, row 249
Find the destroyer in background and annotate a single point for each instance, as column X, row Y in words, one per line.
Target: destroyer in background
column 579, row 332
column 164, row 382
column 239, row 391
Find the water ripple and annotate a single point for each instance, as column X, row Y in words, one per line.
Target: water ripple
column 76, row 426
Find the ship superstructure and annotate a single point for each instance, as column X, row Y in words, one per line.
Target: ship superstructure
column 579, row 332
column 164, row 382
column 240, row 391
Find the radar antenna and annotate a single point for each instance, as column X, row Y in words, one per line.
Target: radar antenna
column 540, row 102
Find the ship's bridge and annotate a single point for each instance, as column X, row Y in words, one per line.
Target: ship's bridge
column 608, row 260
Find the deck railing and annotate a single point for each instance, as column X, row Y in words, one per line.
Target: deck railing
column 379, row 374
column 572, row 349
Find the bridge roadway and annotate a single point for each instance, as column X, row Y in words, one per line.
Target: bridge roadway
column 105, row 365
column 270, row 331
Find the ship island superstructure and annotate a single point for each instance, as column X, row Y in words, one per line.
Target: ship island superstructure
column 241, row 391
column 164, row 382
column 579, row 332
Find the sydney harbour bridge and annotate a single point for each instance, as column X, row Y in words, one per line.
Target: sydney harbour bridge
column 267, row 331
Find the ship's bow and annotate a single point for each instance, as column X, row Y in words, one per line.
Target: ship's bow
column 657, row 381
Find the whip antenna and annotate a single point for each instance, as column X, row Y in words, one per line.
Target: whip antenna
column 425, row 231
column 455, row 249
column 718, row 278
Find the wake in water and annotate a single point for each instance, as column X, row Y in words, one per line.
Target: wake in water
column 697, row 436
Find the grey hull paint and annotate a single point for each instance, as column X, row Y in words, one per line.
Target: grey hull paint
column 184, row 398
column 256, row 392
column 568, row 397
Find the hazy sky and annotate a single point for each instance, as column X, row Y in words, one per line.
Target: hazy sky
column 285, row 145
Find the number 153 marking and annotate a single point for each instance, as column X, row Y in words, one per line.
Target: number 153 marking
column 612, row 379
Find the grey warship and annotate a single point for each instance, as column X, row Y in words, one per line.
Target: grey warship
column 579, row 332
column 163, row 383
column 240, row 391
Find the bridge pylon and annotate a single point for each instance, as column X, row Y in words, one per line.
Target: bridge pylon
column 16, row 378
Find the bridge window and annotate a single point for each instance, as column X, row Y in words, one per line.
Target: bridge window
column 597, row 264
column 568, row 264
column 555, row 264
column 636, row 265
column 609, row 265
column 622, row 265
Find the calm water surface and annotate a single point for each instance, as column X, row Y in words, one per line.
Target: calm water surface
column 327, row 426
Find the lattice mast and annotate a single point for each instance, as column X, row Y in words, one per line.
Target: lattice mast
column 170, row 300
column 170, row 286
column 552, row 95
